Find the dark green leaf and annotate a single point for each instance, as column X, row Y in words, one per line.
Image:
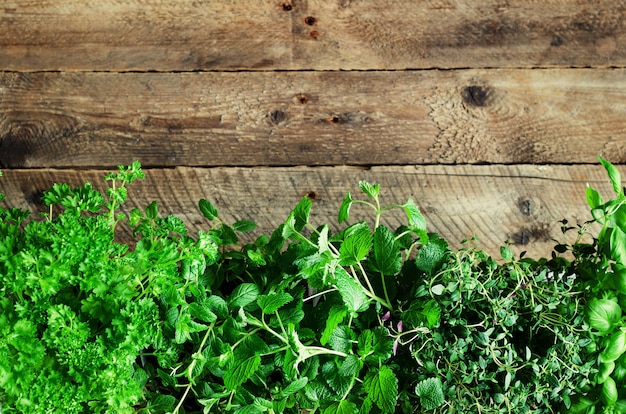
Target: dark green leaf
column 152, row 211
column 432, row 255
column 344, row 210
column 386, row 258
column 244, row 225
column 207, row 209
column 243, row 295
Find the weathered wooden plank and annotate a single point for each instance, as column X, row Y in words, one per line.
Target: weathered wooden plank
column 114, row 35
column 312, row 118
column 519, row 203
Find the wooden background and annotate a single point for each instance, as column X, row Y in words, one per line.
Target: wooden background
column 489, row 113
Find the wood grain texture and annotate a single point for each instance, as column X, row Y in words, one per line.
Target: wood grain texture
column 519, row 203
column 81, row 120
column 121, row 35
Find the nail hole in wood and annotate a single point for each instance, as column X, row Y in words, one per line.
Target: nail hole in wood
column 310, row 20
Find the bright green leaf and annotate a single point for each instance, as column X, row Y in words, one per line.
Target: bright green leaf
column 336, row 314
column 431, row 394
column 356, row 246
column 351, row 291
column 416, row 221
column 594, row 199
column 603, row 315
column 243, row 295
column 386, row 258
column 614, row 175
column 341, row 407
column 271, row 302
column 242, row 369
column 614, row 348
column 382, row 387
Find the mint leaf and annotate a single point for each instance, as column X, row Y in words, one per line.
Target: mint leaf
column 344, row 210
column 430, row 392
column 341, row 339
column 356, row 246
column 293, row 387
column 271, row 302
column 371, row 190
column 375, row 345
column 386, row 258
column 244, row 225
column 207, row 209
column 416, row 221
column 301, row 213
column 246, row 362
column 351, row 292
column 382, row 387
column 432, row 255
column 341, row 407
column 243, row 295
column 336, row 314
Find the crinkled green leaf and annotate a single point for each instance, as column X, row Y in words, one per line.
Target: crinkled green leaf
column 243, row 295
column 341, row 339
column 430, row 392
column 271, row 302
column 432, row 255
column 246, row 362
column 356, row 245
column 371, row 190
column 416, row 221
column 351, row 291
column 386, row 258
column 382, row 387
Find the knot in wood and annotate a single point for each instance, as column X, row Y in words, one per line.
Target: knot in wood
column 476, row 95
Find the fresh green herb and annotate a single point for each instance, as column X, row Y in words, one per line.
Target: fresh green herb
column 365, row 319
